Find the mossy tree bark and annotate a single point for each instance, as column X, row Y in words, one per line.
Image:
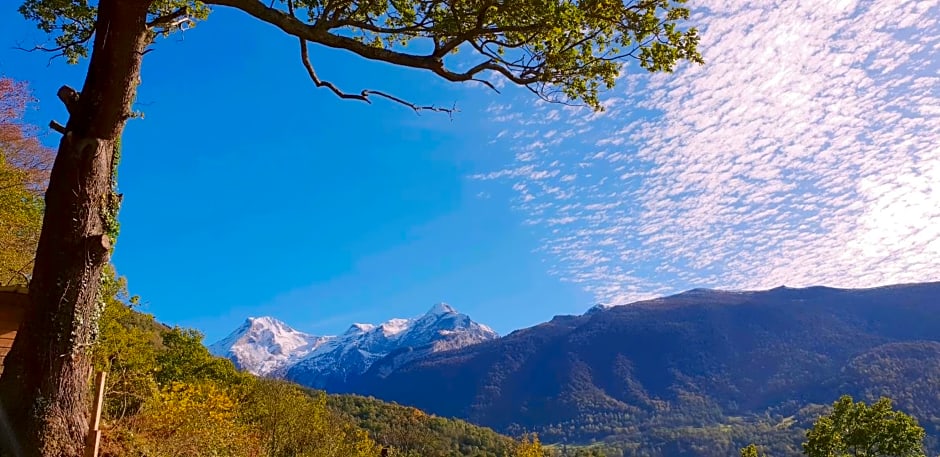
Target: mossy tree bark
column 44, row 387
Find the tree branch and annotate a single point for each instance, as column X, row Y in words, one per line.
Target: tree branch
column 361, row 96
column 60, row 50
column 57, row 127
column 318, row 34
column 168, row 20
column 572, row 57
column 69, row 98
column 21, row 273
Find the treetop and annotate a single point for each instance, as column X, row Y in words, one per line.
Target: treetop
column 562, row 50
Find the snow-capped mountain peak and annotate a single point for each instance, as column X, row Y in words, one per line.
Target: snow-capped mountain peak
column 268, row 347
column 395, row 326
column 441, row 309
column 264, row 344
column 359, row 328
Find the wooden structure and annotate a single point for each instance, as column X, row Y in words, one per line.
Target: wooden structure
column 93, row 441
column 13, row 302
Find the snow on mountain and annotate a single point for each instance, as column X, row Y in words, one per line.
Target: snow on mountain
column 274, row 349
column 598, row 308
column 263, row 345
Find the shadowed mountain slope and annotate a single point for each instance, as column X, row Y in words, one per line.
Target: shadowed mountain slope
column 692, row 360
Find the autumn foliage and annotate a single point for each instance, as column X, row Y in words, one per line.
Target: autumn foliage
column 24, row 172
column 190, row 419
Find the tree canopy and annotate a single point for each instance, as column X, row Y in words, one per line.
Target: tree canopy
column 751, row 450
column 561, row 50
column 859, row 430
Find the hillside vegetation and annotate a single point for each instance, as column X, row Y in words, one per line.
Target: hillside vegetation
column 701, row 373
column 167, row 396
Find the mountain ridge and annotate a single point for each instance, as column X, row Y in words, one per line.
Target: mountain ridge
column 732, row 360
column 266, row 346
column 686, row 369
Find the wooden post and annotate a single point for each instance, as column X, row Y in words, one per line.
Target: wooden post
column 93, row 441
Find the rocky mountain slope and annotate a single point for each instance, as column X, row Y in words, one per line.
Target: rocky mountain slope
column 268, row 347
column 263, row 345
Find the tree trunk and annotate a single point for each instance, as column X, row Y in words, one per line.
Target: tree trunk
column 45, row 382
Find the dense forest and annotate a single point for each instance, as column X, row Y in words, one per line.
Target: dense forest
column 700, row 373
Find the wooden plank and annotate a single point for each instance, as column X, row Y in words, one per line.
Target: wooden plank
column 17, row 289
column 10, row 315
column 93, row 441
column 13, row 303
column 18, row 298
column 5, row 345
column 99, row 400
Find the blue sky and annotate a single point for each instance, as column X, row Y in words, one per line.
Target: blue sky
column 250, row 192
column 806, row 151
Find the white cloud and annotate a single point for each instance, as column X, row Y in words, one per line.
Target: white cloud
column 806, row 151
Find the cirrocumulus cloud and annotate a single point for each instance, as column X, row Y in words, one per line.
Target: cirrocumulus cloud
column 805, row 151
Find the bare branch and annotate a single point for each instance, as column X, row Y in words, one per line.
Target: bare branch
column 417, row 108
column 21, row 272
column 305, row 58
column 60, row 50
column 413, row 30
column 365, row 93
column 487, row 84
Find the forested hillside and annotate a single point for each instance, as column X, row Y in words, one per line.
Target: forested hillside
column 700, row 373
column 166, row 395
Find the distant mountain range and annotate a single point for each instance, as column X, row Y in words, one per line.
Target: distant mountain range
column 268, row 347
column 699, row 373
